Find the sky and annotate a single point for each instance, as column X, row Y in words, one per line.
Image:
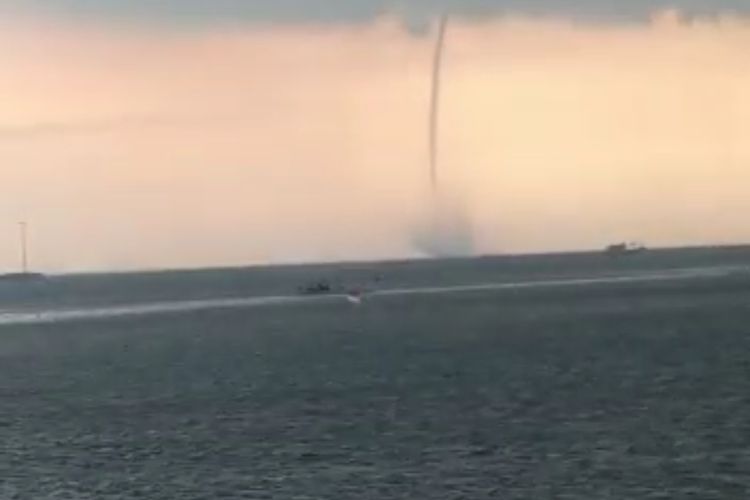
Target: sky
column 206, row 13
column 187, row 134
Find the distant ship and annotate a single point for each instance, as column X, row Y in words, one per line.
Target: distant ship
column 24, row 276
column 622, row 249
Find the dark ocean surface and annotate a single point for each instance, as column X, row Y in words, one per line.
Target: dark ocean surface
column 607, row 390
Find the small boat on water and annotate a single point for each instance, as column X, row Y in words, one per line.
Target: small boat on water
column 353, row 295
column 321, row 287
column 24, row 276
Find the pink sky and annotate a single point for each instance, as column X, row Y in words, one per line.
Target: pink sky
column 140, row 149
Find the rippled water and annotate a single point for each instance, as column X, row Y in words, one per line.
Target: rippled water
column 37, row 315
column 613, row 390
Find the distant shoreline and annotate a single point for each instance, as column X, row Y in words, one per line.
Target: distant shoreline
column 21, row 277
column 397, row 262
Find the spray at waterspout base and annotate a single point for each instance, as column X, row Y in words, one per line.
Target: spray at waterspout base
column 445, row 230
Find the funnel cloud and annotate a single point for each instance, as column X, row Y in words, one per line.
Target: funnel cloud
column 446, row 230
column 435, row 101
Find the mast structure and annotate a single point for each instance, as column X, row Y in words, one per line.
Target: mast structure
column 22, row 227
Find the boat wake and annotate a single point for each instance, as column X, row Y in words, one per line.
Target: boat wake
column 48, row 316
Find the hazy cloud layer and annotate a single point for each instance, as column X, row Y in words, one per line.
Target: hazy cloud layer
column 131, row 149
column 205, row 12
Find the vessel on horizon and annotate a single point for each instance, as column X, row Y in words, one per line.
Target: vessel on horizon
column 24, row 275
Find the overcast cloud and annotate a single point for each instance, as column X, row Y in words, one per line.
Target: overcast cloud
column 207, row 12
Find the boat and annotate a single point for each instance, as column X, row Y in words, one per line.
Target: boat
column 321, row 287
column 623, row 249
column 24, row 275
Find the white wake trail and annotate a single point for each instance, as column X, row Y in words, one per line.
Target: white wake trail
column 48, row 316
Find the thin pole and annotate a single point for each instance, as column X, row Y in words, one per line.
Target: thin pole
column 24, row 249
column 435, row 100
